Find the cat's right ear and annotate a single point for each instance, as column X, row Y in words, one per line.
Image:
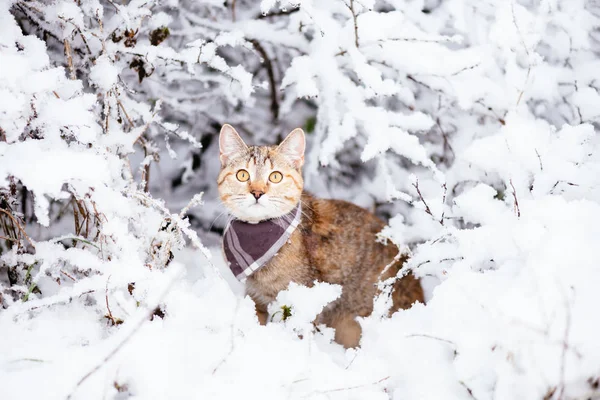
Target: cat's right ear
column 230, row 143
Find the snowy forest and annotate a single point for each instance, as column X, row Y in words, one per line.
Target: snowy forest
column 470, row 126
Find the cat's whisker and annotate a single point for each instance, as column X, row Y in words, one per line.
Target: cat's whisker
column 304, row 205
column 215, row 220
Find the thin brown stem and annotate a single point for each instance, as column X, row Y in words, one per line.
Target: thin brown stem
column 354, row 17
column 110, row 315
column 69, row 55
column 18, row 225
column 233, row 3
column 270, row 73
column 514, row 192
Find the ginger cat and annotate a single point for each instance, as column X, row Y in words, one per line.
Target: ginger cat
column 281, row 234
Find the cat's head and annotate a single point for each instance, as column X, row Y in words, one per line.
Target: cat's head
column 260, row 182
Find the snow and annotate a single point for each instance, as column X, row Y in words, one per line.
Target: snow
column 471, row 127
column 104, row 73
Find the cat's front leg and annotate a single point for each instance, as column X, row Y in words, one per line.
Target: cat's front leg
column 259, row 306
column 262, row 314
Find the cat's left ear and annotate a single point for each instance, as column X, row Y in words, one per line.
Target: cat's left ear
column 293, row 147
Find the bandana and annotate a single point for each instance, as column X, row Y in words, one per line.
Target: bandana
column 248, row 247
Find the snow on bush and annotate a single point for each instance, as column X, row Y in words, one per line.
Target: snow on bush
column 472, row 125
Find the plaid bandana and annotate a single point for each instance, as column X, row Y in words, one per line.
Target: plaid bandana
column 248, row 246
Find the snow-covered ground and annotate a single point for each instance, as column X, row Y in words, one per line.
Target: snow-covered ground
column 209, row 346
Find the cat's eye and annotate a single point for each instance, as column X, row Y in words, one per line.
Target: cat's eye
column 275, row 177
column 242, row 175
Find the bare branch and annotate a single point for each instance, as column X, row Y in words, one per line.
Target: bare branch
column 354, row 17
column 270, row 73
column 145, row 317
column 517, row 210
column 69, row 55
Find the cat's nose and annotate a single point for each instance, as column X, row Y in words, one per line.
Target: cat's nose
column 257, row 194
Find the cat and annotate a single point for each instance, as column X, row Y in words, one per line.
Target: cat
column 332, row 241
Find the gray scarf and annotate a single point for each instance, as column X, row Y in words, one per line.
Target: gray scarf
column 248, row 247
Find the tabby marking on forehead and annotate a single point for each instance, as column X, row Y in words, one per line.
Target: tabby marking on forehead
column 259, row 198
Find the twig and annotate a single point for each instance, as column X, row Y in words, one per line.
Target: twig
column 64, row 301
column 125, row 112
column 106, row 110
column 517, row 210
column 127, row 338
column 68, row 275
column 397, row 258
column 352, row 361
column 439, row 261
column 443, row 203
column 279, row 13
column 424, row 335
column 565, row 346
column 232, row 348
column 526, row 52
column 350, row 387
column 110, row 316
column 354, row 17
column 468, row 389
column 539, row 159
column 271, row 75
column 427, row 209
column 233, row 10
column 72, row 75
column 101, row 26
column 21, row 229
column 446, row 140
column 465, row 69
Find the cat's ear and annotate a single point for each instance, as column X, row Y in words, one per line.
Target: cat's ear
column 230, row 143
column 293, row 147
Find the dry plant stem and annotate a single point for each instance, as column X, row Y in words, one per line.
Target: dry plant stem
column 424, row 335
column 146, row 173
column 468, row 389
column 232, row 348
column 397, row 258
column 127, row 338
column 70, row 299
column 76, row 219
column 68, row 275
column 125, row 112
column 106, row 108
column 10, row 229
column 514, row 191
column 101, row 26
column 443, row 203
column 354, row 17
column 233, row 10
column 110, row 316
column 279, row 13
column 86, row 217
column 350, row 387
column 271, row 75
column 18, row 225
column 69, row 55
column 446, row 140
column 565, row 347
column 427, row 209
column 512, row 6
